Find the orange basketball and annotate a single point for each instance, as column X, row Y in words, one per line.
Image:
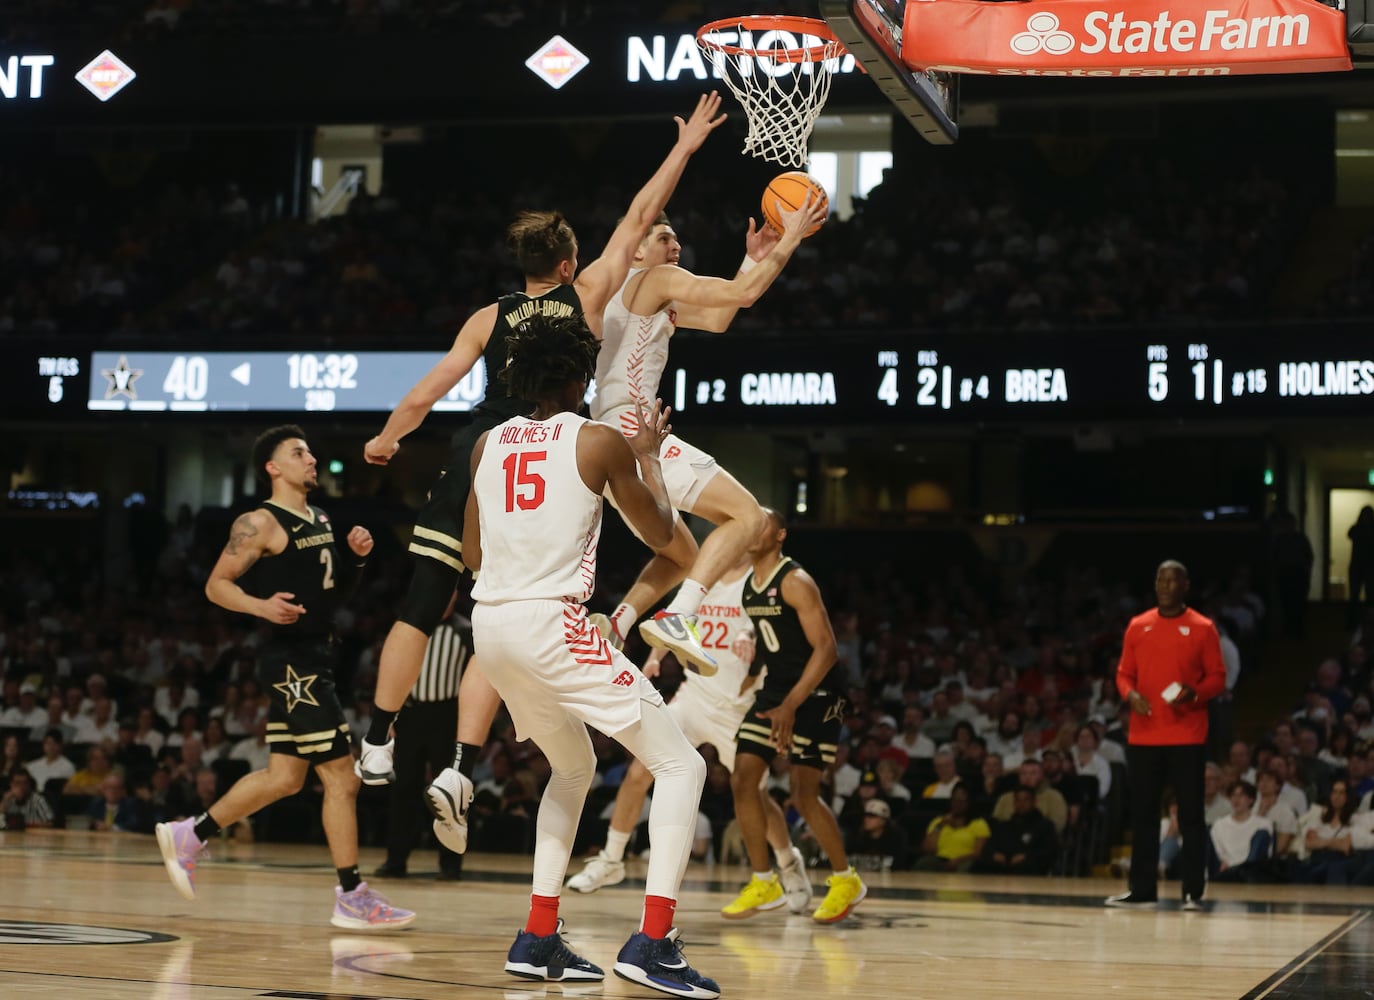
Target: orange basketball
column 791, row 190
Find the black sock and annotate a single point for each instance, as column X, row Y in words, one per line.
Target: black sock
column 206, row 827
column 349, row 879
column 465, row 758
column 380, row 730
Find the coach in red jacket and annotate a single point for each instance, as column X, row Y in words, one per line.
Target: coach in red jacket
column 1170, row 667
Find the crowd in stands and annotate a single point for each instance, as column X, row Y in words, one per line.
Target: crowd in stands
column 983, row 730
column 965, row 242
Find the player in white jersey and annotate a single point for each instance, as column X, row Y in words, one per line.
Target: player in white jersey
column 709, row 710
column 547, row 252
column 657, row 297
column 535, row 507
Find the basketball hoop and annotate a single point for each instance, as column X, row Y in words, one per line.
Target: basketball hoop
column 779, row 67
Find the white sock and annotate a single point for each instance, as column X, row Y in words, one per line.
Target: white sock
column 616, row 843
column 765, row 876
column 623, row 619
column 688, row 599
column 844, row 874
column 785, row 857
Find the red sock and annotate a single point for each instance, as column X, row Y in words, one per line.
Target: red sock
column 543, row 915
column 658, row 916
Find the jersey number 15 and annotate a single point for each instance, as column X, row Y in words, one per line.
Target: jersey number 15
column 524, row 488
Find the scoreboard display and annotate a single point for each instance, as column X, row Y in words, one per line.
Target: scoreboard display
column 837, row 379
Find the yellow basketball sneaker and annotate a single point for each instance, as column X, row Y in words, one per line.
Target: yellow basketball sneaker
column 760, row 894
column 846, row 892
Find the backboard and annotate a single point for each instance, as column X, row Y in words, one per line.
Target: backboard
column 872, row 32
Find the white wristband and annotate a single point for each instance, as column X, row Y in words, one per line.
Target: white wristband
column 747, row 265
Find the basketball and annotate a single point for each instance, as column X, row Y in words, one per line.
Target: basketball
column 791, row 190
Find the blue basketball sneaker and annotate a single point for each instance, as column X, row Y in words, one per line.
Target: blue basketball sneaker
column 548, row 958
column 658, row 964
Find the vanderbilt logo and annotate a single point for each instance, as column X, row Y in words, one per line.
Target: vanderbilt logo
column 835, row 711
column 296, row 689
column 34, row 932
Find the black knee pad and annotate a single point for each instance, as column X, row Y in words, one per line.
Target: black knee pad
column 431, row 586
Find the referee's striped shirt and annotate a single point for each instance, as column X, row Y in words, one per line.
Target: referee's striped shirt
column 449, row 647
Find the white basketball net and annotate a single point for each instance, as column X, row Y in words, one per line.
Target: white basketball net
column 782, row 98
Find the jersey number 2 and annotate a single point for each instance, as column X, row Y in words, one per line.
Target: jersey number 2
column 524, row 489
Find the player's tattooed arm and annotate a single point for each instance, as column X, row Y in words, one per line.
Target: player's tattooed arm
column 241, row 535
column 250, row 537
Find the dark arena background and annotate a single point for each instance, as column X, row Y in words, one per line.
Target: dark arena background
column 1089, row 298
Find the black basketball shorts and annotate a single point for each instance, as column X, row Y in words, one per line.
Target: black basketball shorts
column 304, row 716
column 815, row 732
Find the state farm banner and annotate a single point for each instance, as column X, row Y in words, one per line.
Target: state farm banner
column 1145, row 38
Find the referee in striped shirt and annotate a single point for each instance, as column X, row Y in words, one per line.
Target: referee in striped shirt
column 426, row 730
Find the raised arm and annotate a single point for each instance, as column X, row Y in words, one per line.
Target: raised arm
column 600, row 279
column 411, row 411
column 250, row 538
column 711, row 303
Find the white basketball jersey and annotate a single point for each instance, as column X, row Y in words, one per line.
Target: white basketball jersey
column 721, row 620
column 540, row 524
column 634, row 352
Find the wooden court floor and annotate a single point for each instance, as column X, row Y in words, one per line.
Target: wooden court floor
column 86, row 915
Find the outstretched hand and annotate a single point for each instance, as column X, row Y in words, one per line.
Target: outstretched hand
column 760, row 240
column 693, row 132
column 800, row 222
column 653, row 428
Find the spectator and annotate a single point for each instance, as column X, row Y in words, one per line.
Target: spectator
column 953, row 841
column 146, row 732
column 11, row 760
column 89, row 780
column 1066, row 783
column 946, row 776
column 1329, row 841
column 22, row 806
column 914, row 742
column 1285, row 821
column 1215, row 802
column 1242, row 842
column 100, row 726
column 1361, row 572
column 1024, row 843
column 1087, row 762
column 53, row 763
column 53, row 720
column 1048, row 802
column 26, row 714
column 880, row 845
column 113, row 809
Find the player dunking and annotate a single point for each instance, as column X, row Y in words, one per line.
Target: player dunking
column 708, row 709
column 546, row 250
column 798, row 711
column 299, row 577
column 656, row 298
column 535, row 510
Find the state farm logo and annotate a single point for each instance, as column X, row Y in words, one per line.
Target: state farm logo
column 105, row 75
column 557, row 62
column 1042, row 34
column 1114, row 32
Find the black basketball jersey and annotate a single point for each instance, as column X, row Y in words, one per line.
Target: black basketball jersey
column 308, row 567
column 512, row 310
column 781, row 644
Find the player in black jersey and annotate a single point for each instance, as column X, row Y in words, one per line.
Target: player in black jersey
column 546, row 250
column 798, row 712
column 294, row 576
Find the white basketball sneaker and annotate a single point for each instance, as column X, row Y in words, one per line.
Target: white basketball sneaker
column 604, row 625
column 678, row 634
column 599, row 872
column 796, row 884
column 448, row 797
column 373, row 765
